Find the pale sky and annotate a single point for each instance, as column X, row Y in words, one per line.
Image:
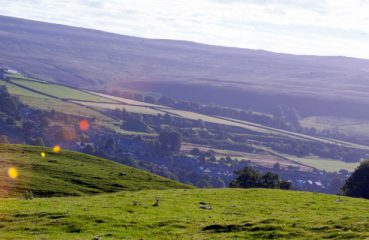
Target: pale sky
column 318, row 27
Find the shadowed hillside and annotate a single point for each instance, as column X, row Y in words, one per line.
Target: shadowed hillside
column 94, row 59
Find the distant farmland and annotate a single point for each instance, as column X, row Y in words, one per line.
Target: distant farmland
column 46, row 96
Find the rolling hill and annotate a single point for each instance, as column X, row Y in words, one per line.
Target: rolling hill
column 69, row 174
column 187, row 214
column 328, row 86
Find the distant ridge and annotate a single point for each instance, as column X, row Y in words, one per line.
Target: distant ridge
column 254, row 78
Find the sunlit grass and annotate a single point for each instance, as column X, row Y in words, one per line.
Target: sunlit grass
column 68, row 173
column 231, row 214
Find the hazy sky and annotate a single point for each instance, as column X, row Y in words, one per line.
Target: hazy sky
column 322, row 27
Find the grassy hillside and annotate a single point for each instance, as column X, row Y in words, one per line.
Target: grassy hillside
column 69, row 173
column 187, row 214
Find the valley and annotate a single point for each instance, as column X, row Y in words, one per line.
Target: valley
column 220, row 139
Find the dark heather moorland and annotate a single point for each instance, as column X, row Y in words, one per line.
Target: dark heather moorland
column 330, row 86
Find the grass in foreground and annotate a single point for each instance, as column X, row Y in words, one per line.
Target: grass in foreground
column 187, row 214
column 70, row 174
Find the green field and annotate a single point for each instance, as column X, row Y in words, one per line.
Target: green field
column 59, row 91
column 329, row 165
column 187, row 214
column 347, row 126
column 128, row 101
column 128, row 108
column 61, row 106
column 69, row 174
column 18, row 91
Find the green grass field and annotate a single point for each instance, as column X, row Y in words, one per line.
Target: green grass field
column 128, row 108
column 18, row 91
column 187, row 214
column 329, row 165
column 128, row 101
column 61, row 106
column 60, row 91
column 69, row 173
column 347, row 126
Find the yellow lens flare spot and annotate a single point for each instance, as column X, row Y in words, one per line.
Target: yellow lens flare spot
column 43, row 155
column 13, row 172
column 57, row 149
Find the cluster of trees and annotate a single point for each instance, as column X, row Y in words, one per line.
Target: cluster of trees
column 357, row 185
column 251, row 178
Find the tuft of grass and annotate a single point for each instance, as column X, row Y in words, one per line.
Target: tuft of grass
column 69, row 174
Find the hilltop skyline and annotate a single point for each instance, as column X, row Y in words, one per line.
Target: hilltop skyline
column 296, row 27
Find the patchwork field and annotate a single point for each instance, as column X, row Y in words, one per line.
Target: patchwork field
column 264, row 159
column 47, row 96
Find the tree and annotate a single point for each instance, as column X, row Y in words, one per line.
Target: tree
column 269, row 180
column 357, row 185
column 170, row 140
column 247, row 178
column 149, row 99
column 195, row 152
column 136, row 125
column 286, row 185
column 166, row 101
column 251, row 178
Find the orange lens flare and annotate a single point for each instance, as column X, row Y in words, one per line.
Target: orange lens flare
column 57, row 149
column 84, row 125
column 13, row 173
